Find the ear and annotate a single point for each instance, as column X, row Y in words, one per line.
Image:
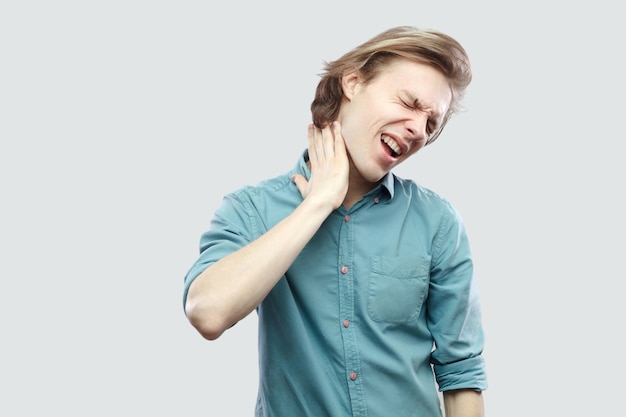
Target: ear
column 349, row 83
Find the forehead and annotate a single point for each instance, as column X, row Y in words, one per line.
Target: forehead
column 417, row 80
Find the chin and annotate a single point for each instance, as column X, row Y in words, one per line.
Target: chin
column 372, row 173
column 375, row 178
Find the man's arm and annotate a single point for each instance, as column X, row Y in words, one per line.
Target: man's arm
column 231, row 288
column 463, row 403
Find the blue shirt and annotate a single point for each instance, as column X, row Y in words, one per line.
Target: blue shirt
column 378, row 311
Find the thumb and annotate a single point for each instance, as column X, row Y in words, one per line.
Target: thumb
column 301, row 183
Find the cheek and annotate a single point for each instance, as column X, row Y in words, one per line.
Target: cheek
column 349, row 129
column 359, row 121
column 415, row 148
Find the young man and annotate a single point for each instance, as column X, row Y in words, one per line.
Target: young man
column 362, row 281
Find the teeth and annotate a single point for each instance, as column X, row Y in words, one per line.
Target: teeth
column 392, row 144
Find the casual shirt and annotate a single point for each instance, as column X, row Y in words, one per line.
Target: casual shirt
column 378, row 311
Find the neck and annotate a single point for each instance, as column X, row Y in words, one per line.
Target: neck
column 357, row 188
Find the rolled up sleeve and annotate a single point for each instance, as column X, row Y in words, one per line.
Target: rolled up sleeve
column 454, row 310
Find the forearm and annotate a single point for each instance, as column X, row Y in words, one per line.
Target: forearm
column 231, row 288
column 463, row 403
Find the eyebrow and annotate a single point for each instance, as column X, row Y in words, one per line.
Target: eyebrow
column 416, row 102
column 434, row 116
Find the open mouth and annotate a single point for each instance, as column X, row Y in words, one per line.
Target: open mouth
column 396, row 151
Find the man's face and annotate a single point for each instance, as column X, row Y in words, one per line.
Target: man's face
column 389, row 119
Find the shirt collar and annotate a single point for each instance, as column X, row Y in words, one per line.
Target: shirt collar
column 301, row 167
column 388, row 183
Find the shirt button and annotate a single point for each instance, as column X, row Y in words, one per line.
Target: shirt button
column 353, row 376
column 346, row 323
column 347, row 218
column 344, row 269
column 376, row 200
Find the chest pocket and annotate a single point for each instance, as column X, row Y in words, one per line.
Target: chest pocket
column 397, row 288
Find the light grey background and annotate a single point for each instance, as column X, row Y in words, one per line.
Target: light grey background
column 123, row 123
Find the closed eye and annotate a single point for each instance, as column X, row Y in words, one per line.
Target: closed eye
column 408, row 105
column 431, row 126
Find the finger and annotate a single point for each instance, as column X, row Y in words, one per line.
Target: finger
column 328, row 141
column 340, row 145
column 320, row 144
column 301, row 183
column 314, row 145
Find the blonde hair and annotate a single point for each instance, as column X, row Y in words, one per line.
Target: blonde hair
column 427, row 46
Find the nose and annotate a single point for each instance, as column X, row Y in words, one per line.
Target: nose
column 416, row 127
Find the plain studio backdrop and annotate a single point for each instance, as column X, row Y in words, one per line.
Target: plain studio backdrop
column 123, row 123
